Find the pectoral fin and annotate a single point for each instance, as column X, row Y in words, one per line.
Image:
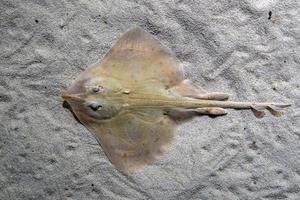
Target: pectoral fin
column 133, row 140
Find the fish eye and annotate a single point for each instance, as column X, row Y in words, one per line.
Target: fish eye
column 95, row 106
column 97, row 89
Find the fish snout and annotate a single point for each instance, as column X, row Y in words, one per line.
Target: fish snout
column 72, row 97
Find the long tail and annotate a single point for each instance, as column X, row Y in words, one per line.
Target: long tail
column 257, row 108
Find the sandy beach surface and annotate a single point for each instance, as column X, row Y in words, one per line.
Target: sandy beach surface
column 248, row 48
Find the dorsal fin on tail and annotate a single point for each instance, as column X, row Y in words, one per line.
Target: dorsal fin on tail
column 273, row 108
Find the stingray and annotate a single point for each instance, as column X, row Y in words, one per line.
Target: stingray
column 132, row 100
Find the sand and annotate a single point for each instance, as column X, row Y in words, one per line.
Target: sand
column 248, row 48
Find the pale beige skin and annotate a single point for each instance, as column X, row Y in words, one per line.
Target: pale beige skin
column 133, row 98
